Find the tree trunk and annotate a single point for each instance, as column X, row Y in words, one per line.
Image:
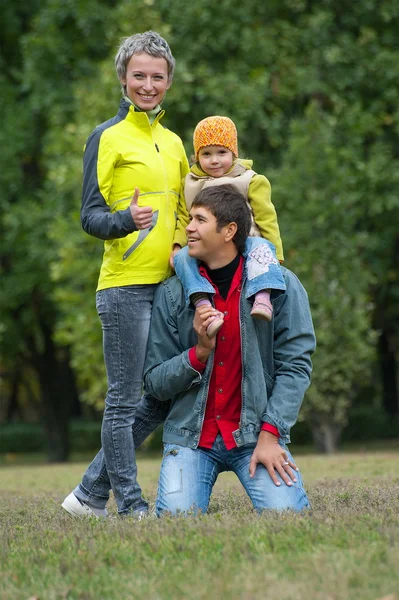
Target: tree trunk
column 59, row 395
column 326, row 435
column 12, row 405
column 385, row 321
column 57, row 388
column 387, row 351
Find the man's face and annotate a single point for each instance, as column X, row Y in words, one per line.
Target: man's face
column 203, row 240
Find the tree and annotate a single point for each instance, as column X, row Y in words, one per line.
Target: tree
column 329, row 255
column 313, row 90
column 75, row 268
column 273, row 69
column 296, row 78
column 45, row 48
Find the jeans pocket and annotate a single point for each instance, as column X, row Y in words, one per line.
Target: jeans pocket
column 102, row 302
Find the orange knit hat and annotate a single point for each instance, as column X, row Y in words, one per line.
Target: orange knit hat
column 215, row 131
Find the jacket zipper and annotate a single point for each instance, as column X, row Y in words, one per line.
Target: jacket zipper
column 163, row 212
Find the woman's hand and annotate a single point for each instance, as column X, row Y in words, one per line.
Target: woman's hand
column 141, row 215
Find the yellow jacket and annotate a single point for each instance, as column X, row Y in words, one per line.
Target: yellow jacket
column 121, row 154
column 255, row 188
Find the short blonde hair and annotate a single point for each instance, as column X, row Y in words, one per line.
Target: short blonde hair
column 148, row 42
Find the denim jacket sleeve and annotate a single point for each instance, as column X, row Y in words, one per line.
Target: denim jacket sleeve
column 294, row 343
column 168, row 370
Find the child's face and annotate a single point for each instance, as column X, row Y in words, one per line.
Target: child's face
column 215, row 160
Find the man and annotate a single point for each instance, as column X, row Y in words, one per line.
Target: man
column 234, row 398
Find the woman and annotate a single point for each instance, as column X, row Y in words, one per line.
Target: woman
column 133, row 168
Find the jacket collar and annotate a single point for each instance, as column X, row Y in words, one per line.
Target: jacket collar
column 238, row 167
column 139, row 118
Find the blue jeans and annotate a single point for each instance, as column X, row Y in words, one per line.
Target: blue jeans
column 188, row 476
column 125, row 313
column 262, row 269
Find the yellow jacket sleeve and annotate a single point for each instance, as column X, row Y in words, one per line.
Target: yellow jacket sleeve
column 259, row 198
column 182, row 218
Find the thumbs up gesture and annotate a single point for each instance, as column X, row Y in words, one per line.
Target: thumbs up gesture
column 141, row 215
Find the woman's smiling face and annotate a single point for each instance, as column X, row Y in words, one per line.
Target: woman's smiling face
column 146, row 80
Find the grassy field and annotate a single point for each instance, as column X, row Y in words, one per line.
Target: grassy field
column 347, row 547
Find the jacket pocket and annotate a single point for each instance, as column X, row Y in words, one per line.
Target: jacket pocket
column 142, row 236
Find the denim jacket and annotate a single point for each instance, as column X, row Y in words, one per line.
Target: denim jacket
column 276, row 364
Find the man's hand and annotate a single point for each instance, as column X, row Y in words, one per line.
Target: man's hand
column 176, row 249
column 203, row 316
column 269, row 452
column 141, row 215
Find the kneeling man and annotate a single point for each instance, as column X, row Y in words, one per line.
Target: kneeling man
column 235, row 397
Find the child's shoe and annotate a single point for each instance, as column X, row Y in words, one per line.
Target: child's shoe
column 214, row 326
column 261, row 310
column 200, row 299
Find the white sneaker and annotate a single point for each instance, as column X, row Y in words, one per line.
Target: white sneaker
column 137, row 515
column 78, row 508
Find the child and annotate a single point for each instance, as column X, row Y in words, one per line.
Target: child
column 216, row 153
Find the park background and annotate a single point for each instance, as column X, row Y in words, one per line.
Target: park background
column 313, row 88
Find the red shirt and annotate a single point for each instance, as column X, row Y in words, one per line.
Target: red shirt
column 223, row 407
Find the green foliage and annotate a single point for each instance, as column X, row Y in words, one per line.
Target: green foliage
column 21, row 437
column 366, row 423
column 40, row 66
column 313, row 93
column 320, row 199
column 85, row 436
column 75, row 269
column 313, row 90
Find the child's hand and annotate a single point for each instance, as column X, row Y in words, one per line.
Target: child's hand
column 176, row 249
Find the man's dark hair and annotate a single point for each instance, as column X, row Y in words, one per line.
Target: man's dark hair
column 228, row 206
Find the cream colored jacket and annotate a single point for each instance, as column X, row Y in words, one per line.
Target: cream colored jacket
column 256, row 190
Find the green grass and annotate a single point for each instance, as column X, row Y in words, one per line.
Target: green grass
column 347, row 547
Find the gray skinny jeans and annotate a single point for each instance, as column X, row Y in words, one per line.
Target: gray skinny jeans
column 125, row 313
